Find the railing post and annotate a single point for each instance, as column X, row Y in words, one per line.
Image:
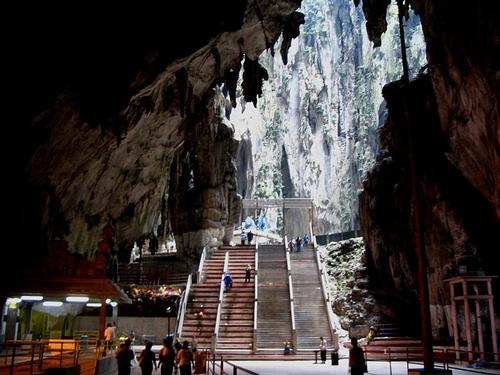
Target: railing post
column 390, row 363
column 32, row 357
column 13, row 359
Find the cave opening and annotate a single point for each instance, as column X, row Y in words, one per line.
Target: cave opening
column 138, row 134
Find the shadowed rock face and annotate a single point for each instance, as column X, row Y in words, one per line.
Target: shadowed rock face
column 454, row 111
column 114, row 108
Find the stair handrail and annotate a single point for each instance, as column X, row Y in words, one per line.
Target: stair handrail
column 256, row 296
column 200, row 275
column 325, row 287
column 290, row 290
column 183, row 304
column 219, row 304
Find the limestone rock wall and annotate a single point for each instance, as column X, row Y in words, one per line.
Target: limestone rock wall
column 314, row 131
column 454, row 111
column 83, row 171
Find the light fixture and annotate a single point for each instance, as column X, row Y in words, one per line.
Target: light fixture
column 93, row 304
column 108, row 301
column 77, row 299
column 114, row 304
column 31, row 298
column 53, row 303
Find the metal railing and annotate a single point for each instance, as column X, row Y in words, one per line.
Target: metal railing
column 217, row 365
column 200, row 275
column 290, row 290
column 325, row 287
column 256, row 298
column 182, row 307
column 54, row 353
column 219, row 305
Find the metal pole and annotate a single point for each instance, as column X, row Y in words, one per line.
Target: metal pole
column 420, row 251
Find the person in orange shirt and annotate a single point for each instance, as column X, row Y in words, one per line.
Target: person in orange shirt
column 183, row 358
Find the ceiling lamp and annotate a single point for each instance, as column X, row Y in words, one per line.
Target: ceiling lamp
column 31, row 298
column 93, row 304
column 53, row 303
column 77, row 299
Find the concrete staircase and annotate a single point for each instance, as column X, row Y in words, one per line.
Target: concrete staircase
column 274, row 324
column 204, row 294
column 311, row 316
column 236, row 324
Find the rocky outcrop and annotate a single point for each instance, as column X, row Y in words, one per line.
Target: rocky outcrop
column 454, row 113
column 86, row 170
column 353, row 301
column 458, row 223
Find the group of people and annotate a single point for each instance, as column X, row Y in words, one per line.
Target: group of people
column 172, row 356
column 246, row 237
column 109, row 337
column 299, row 243
column 228, row 280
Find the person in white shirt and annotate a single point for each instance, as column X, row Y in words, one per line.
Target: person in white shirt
column 108, row 338
column 322, row 349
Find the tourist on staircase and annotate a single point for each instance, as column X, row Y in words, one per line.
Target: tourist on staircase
column 306, row 239
column 290, row 246
column 228, row 281
column 248, row 273
column 250, row 237
column 298, row 242
column 243, row 237
column 322, row 349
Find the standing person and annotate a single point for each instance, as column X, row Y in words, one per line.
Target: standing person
column 250, row 237
column 167, row 356
column 290, row 246
column 123, row 358
column 306, row 239
column 356, row 358
column 194, row 348
column 243, row 237
column 298, row 242
column 183, row 359
column 108, row 338
column 322, row 349
column 248, row 273
column 147, row 359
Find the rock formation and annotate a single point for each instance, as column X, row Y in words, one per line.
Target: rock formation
column 314, row 131
column 123, row 155
column 454, row 113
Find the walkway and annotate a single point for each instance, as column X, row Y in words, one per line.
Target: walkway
column 309, row 367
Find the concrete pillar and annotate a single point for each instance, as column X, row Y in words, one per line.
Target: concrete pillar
column 454, row 320
column 478, row 322
column 492, row 320
column 468, row 328
column 102, row 318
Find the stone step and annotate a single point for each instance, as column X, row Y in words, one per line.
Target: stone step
column 228, row 332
